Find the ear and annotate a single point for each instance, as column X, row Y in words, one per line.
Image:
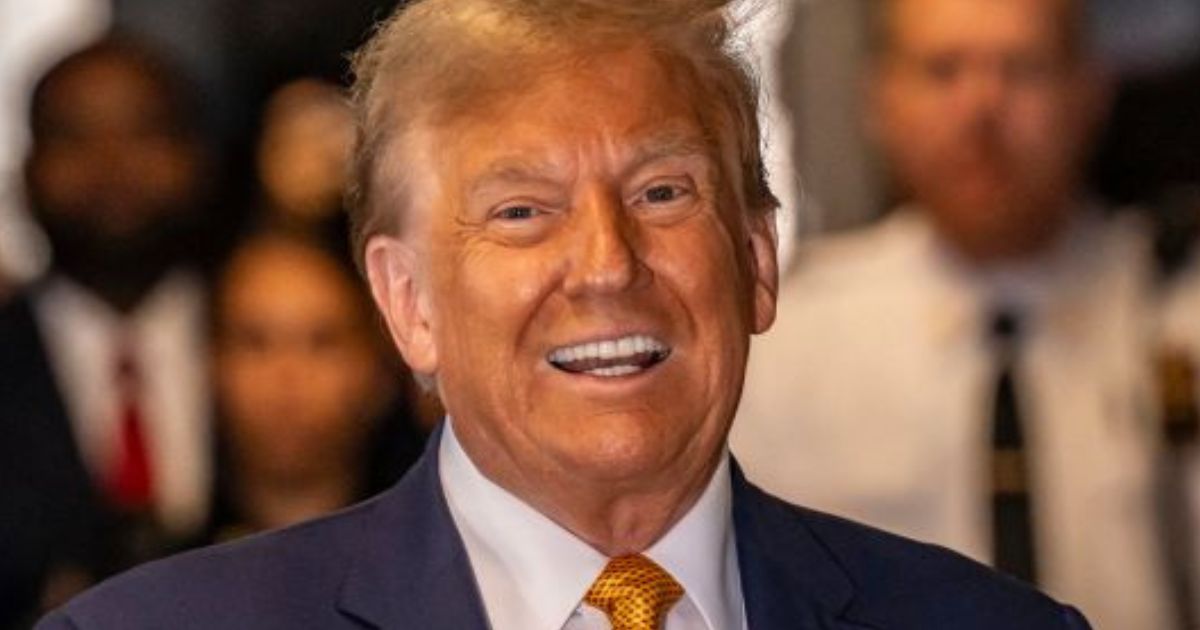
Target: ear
column 399, row 291
column 762, row 242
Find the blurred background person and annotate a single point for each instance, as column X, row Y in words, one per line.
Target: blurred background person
column 302, row 156
column 104, row 400
column 975, row 369
column 312, row 415
column 301, row 163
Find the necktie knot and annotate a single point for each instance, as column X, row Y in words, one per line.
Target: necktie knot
column 634, row 592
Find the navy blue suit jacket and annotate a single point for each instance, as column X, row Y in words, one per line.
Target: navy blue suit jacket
column 51, row 514
column 397, row 561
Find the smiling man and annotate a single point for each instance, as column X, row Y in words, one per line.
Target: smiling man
column 562, row 214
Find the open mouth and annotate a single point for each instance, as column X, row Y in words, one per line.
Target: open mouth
column 610, row 357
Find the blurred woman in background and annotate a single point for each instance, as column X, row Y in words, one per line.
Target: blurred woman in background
column 312, row 416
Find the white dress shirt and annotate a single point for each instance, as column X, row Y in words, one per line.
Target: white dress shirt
column 167, row 334
column 870, row 398
column 532, row 573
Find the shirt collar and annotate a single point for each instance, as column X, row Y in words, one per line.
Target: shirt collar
column 532, row 573
column 701, row 553
column 1036, row 287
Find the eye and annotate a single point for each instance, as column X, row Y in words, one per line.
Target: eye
column 522, row 222
column 942, row 69
column 665, row 193
column 662, row 193
column 516, row 213
column 1027, row 70
column 666, row 198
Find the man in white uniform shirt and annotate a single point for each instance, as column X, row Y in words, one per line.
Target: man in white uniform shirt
column 877, row 394
column 563, row 216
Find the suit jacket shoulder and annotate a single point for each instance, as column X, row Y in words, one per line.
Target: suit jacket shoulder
column 395, row 561
column 860, row 577
column 266, row 581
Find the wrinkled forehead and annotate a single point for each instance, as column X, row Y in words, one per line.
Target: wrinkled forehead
column 649, row 99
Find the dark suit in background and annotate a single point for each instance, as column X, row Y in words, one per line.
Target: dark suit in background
column 51, row 517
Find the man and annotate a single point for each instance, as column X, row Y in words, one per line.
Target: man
column 104, row 449
column 970, row 370
column 563, row 219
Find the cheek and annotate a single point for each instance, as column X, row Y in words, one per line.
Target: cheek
column 60, row 179
column 484, row 292
column 908, row 138
column 708, row 269
column 240, row 385
column 488, row 308
column 337, row 385
column 170, row 171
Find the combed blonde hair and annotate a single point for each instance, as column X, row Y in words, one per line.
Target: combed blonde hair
column 434, row 60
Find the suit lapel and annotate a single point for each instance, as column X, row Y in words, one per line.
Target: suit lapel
column 412, row 569
column 789, row 579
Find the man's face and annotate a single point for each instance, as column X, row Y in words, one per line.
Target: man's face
column 108, row 155
column 589, row 281
column 110, row 177
column 984, row 116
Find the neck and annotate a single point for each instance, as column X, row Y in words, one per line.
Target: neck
column 995, row 252
column 1000, row 234
column 265, row 501
column 614, row 516
column 124, row 295
column 622, row 525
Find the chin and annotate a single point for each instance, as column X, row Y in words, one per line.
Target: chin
column 625, row 446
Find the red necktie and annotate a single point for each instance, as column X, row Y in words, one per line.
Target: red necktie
column 131, row 486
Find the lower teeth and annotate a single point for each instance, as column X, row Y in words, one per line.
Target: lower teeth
column 616, row 370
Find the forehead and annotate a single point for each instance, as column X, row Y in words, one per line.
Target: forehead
column 921, row 25
column 628, row 91
column 613, row 103
column 277, row 270
column 104, row 92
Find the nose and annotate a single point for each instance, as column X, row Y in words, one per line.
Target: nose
column 604, row 256
column 985, row 91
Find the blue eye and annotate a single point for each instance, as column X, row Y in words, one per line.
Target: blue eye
column 517, row 213
column 662, row 194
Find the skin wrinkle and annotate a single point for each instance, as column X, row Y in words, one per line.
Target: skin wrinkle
column 452, row 81
column 597, row 257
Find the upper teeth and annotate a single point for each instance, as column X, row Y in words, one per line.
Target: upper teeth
column 624, row 347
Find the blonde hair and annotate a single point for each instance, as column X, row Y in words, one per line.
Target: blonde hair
column 434, row 60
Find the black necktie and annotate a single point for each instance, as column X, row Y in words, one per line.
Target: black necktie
column 1012, row 526
column 1176, row 380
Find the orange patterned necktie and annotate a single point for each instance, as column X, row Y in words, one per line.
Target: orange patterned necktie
column 634, row 592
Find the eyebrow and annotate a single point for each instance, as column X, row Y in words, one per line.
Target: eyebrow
column 670, row 143
column 515, row 169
